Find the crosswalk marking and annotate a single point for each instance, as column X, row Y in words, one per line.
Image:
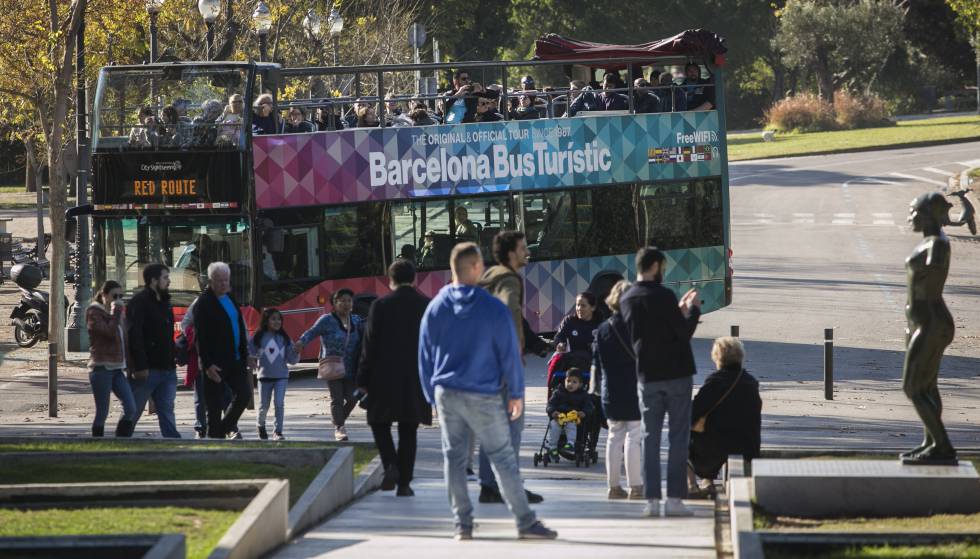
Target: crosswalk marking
column 918, row 178
column 883, row 222
column 845, row 215
column 802, row 215
column 970, row 163
column 883, row 214
column 939, row 171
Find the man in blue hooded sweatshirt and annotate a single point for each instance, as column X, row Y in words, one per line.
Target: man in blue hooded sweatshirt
column 468, row 353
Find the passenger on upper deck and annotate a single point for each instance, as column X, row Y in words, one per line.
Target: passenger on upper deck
column 231, row 120
column 173, row 132
column 366, row 117
column 327, row 119
column 296, row 122
column 486, row 109
column 700, row 93
column 263, row 121
column 644, row 101
column 420, row 115
column 145, row 133
column 583, row 98
column 461, row 83
column 610, row 100
column 671, row 93
column 526, row 110
column 392, row 108
column 206, row 125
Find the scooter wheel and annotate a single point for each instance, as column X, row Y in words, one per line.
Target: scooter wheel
column 24, row 339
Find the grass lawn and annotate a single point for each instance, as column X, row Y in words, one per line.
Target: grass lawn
column 751, row 146
column 157, row 470
column 363, row 452
column 956, row 523
column 943, row 551
column 202, row 528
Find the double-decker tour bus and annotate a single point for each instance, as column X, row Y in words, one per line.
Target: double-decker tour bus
column 299, row 216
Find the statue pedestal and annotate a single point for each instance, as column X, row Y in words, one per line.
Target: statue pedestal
column 825, row 488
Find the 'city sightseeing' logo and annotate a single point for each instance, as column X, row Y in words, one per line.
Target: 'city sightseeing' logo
column 161, row 166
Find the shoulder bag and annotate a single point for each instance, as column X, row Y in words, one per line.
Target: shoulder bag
column 699, row 425
column 331, row 367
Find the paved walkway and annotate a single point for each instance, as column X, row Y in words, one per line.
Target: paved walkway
column 589, row 525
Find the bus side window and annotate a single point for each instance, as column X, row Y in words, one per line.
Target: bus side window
column 549, row 226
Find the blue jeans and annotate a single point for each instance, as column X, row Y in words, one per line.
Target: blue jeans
column 105, row 381
column 461, row 416
column 161, row 385
column 673, row 397
column 201, row 406
column 516, row 428
column 266, row 388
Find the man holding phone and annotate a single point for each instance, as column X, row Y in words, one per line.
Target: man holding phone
column 661, row 328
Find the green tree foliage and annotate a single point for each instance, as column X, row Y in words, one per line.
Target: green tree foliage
column 845, row 44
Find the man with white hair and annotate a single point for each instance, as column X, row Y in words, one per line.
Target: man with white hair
column 221, row 347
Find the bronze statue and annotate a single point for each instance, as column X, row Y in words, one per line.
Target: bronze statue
column 930, row 327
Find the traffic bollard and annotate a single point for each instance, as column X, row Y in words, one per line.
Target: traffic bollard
column 734, row 330
column 828, row 363
column 53, row 379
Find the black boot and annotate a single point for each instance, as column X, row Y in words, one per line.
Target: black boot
column 391, row 478
column 490, row 495
column 98, row 430
column 125, row 428
column 263, row 434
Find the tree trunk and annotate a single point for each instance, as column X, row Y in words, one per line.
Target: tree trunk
column 825, row 78
column 30, row 166
column 58, row 184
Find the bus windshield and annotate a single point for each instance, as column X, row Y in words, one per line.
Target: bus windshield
column 187, row 246
column 171, row 108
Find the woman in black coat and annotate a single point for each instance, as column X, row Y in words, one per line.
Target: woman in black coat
column 733, row 426
column 614, row 373
column 389, row 375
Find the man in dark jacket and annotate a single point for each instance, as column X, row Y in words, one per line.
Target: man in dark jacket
column 505, row 282
column 389, row 375
column 222, row 350
column 660, row 331
column 151, row 348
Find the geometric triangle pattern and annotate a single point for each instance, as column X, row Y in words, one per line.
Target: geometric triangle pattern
column 550, row 287
column 335, row 167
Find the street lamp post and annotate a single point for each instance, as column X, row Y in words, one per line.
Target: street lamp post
column 336, row 22
column 77, row 333
column 210, row 10
column 153, row 8
column 262, row 18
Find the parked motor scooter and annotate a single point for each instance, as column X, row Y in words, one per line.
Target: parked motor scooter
column 30, row 317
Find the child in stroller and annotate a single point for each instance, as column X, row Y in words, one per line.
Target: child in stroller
column 569, row 406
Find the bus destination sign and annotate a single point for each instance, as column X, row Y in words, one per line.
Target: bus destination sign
column 168, row 181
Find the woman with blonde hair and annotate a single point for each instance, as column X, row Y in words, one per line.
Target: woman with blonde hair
column 614, row 373
column 727, row 412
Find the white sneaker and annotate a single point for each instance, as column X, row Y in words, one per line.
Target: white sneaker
column 340, row 434
column 676, row 507
column 652, row 508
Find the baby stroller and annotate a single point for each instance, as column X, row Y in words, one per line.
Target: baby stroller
column 587, row 435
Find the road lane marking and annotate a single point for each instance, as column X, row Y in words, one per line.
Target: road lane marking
column 939, row 171
column 970, row 163
column 850, row 215
column 884, row 222
column 918, row 178
column 882, row 214
column 880, row 158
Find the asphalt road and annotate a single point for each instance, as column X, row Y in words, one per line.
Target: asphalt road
column 819, row 242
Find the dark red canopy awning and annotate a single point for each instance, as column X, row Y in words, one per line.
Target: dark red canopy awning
column 693, row 43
